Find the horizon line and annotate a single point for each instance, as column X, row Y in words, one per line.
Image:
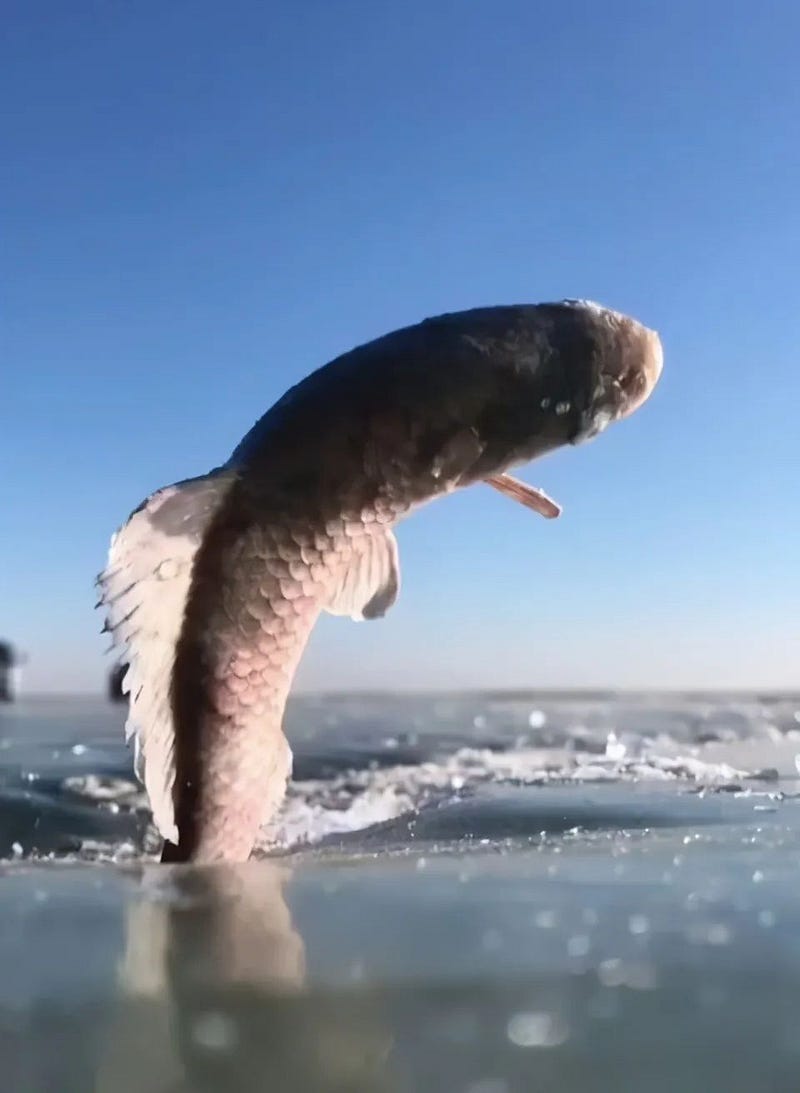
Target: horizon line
column 496, row 693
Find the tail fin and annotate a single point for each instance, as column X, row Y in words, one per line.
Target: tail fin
column 144, row 589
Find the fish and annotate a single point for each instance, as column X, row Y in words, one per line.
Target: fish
column 214, row 584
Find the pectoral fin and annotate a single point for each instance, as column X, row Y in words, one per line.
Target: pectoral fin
column 526, row 495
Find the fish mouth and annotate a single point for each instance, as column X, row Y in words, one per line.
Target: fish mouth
column 621, row 393
column 652, row 364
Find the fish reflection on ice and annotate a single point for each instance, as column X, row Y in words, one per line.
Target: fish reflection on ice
column 211, row 995
column 232, row 927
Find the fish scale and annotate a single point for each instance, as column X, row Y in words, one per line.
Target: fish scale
column 240, row 745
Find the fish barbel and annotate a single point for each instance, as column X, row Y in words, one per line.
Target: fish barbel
column 214, row 584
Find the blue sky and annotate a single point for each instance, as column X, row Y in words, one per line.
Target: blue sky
column 203, row 202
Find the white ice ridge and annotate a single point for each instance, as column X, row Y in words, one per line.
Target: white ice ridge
column 357, row 799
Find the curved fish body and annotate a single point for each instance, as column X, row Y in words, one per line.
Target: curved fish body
column 214, row 584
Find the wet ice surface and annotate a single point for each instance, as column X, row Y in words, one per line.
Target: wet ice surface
column 469, row 895
column 407, row 765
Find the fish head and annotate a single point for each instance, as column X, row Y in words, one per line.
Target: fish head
column 615, row 375
column 581, row 367
column 577, row 367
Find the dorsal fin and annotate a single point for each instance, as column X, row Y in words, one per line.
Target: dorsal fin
column 144, row 589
